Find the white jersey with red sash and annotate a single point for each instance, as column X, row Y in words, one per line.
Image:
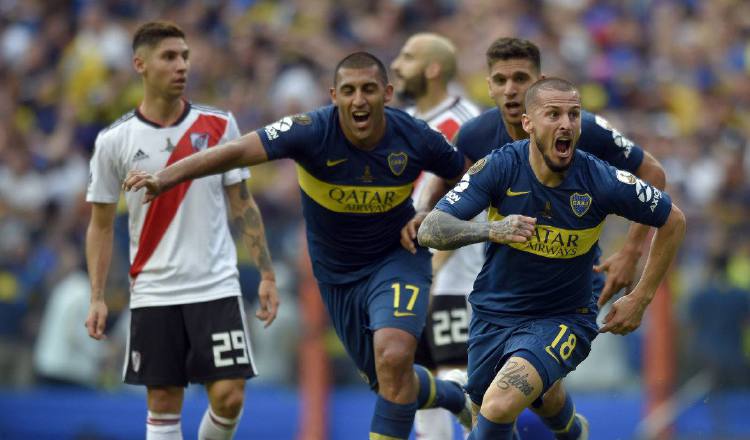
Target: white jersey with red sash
column 181, row 250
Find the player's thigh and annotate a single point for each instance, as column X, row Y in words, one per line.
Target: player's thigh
column 398, row 293
column 513, row 389
column 447, row 329
column 157, row 347
column 219, row 341
column 347, row 311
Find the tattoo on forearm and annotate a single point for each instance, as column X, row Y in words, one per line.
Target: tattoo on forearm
column 514, row 375
column 443, row 231
column 244, row 193
column 250, row 225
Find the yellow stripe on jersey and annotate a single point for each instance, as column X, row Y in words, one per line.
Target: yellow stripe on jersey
column 352, row 199
column 376, row 436
column 552, row 242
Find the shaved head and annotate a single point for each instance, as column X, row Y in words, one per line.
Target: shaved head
column 436, row 48
column 552, row 83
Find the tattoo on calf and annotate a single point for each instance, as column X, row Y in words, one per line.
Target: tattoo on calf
column 514, row 375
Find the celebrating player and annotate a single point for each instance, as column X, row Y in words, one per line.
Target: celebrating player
column 187, row 317
column 534, row 310
column 356, row 163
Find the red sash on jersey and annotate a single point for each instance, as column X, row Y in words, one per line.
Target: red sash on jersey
column 162, row 210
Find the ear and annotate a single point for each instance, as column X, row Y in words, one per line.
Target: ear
column 332, row 92
column 432, row 70
column 139, row 64
column 526, row 123
column 388, row 96
column 489, row 88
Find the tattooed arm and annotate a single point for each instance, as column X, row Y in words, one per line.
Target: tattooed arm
column 442, row 231
column 247, row 223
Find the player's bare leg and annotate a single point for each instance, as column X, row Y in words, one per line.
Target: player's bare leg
column 514, row 388
column 558, row 413
column 164, row 408
column 226, row 398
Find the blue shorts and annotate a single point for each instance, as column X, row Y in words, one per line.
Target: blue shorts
column 554, row 345
column 394, row 295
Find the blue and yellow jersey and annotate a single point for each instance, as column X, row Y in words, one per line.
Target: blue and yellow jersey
column 355, row 202
column 551, row 273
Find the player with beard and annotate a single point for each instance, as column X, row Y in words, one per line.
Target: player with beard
column 534, row 306
column 187, row 322
column 356, row 163
column 423, row 70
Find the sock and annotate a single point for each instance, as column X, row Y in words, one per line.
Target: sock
column 162, row 426
column 564, row 424
column 487, row 430
column 433, row 424
column 215, row 427
column 391, row 420
column 437, row 392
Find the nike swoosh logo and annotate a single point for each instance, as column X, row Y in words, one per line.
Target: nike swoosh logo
column 398, row 314
column 333, row 163
column 510, row 193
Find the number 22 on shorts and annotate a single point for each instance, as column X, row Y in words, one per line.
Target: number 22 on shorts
column 397, row 299
column 566, row 348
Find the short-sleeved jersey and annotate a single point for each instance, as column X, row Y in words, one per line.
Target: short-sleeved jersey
column 458, row 273
column 181, row 250
column 355, row 202
column 551, row 273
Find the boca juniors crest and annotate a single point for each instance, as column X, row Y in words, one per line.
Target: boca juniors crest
column 580, row 203
column 397, row 162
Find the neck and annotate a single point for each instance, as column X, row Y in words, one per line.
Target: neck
column 434, row 96
column 543, row 173
column 516, row 131
column 163, row 111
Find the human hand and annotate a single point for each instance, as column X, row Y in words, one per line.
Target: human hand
column 620, row 268
column 409, row 232
column 625, row 315
column 512, row 229
column 137, row 179
column 97, row 319
column 268, row 302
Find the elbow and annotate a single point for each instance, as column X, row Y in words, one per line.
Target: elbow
column 424, row 233
column 677, row 222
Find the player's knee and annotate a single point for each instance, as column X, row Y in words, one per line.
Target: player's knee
column 165, row 400
column 499, row 409
column 229, row 401
column 394, row 360
column 553, row 401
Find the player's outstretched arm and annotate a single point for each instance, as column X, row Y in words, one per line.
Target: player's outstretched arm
column 621, row 266
column 99, row 237
column 247, row 221
column 442, row 231
column 243, row 151
column 627, row 312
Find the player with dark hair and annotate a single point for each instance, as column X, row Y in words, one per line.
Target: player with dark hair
column 423, row 70
column 534, row 312
column 356, row 162
column 187, row 316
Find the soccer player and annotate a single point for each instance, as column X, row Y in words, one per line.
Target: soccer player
column 423, row 69
column 514, row 65
column 534, row 310
column 356, row 162
column 187, row 317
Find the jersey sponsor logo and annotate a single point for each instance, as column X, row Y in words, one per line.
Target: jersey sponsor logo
column 580, row 203
column 352, row 199
column 478, row 165
column 553, row 242
column 397, row 162
column 647, row 194
column 280, row 126
column 453, row 195
column 334, row 162
column 170, row 146
column 139, row 155
column 625, row 177
column 510, row 193
column 199, row 141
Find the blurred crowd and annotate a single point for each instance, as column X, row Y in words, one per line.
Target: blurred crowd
column 674, row 75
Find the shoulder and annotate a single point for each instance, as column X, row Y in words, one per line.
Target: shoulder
column 207, row 109
column 466, row 107
column 480, row 126
column 404, row 123
column 512, row 154
column 119, row 123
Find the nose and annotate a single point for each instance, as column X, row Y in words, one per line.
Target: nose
column 358, row 99
column 510, row 89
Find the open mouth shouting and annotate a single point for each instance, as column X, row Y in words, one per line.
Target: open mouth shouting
column 563, row 147
column 513, row 108
column 361, row 119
